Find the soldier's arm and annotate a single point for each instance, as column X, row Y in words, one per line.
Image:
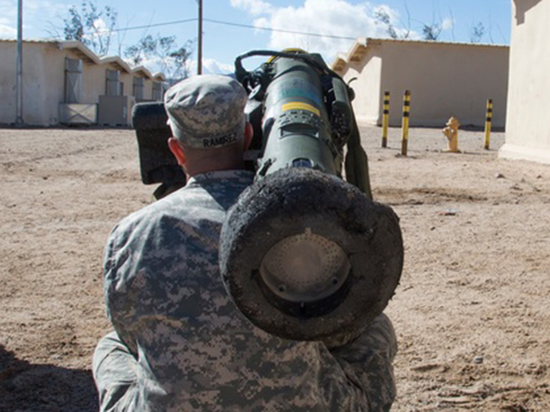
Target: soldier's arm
column 114, row 362
column 116, row 256
column 367, row 362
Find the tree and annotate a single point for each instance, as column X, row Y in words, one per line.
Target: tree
column 95, row 27
column 431, row 31
column 383, row 17
column 164, row 52
column 477, row 32
column 91, row 26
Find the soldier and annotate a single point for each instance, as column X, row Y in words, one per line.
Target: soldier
column 180, row 344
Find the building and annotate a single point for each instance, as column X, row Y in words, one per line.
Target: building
column 445, row 79
column 527, row 133
column 65, row 82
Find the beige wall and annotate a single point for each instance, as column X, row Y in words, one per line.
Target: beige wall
column 127, row 80
column 148, row 89
column 527, row 131
column 43, row 87
column 93, row 81
column 44, row 81
column 445, row 80
column 367, row 71
column 7, row 82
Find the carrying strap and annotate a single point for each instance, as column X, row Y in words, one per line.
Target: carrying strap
column 357, row 163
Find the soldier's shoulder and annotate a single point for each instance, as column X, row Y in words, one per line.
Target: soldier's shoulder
column 150, row 215
column 206, row 192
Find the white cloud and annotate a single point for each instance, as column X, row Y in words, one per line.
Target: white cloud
column 447, row 24
column 385, row 9
column 7, row 32
column 7, row 24
column 100, row 30
column 35, row 14
column 262, row 23
column 339, row 21
column 8, row 21
column 101, row 26
column 253, row 6
column 8, row 8
column 210, row 66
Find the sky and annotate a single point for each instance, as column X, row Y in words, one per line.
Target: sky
column 232, row 27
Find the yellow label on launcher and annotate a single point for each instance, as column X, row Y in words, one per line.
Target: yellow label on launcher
column 301, row 106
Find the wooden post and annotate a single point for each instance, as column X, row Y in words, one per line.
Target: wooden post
column 199, row 45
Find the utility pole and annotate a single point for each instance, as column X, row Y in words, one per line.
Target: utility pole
column 199, row 52
column 19, row 74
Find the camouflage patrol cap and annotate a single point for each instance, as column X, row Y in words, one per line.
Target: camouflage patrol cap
column 206, row 111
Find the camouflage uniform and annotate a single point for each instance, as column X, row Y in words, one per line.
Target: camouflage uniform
column 182, row 345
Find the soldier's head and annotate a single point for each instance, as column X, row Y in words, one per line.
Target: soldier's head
column 206, row 116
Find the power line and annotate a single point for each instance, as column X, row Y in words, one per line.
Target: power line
column 227, row 23
column 168, row 23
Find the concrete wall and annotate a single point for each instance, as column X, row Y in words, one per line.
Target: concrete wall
column 43, row 88
column 148, row 89
column 44, row 81
column 367, row 71
column 95, row 81
column 445, row 79
column 127, row 80
column 527, row 130
column 7, row 83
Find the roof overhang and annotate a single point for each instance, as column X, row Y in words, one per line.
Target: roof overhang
column 362, row 45
column 80, row 50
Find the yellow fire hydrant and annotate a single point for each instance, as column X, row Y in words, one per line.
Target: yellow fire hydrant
column 451, row 132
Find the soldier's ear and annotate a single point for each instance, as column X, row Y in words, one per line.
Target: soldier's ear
column 176, row 150
column 248, row 135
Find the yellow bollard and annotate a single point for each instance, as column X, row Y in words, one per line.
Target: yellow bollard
column 405, row 122
column 385, row 119
column 488, row 123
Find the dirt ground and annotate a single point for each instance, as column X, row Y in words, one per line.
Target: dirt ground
column 472, row 312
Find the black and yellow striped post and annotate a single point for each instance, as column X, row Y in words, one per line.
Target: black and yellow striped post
column 488, row 123
column 385, row 119
column 405, row 122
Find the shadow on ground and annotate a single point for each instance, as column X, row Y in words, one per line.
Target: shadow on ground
column 29, row 387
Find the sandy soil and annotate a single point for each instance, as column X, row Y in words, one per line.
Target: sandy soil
column 472, row 312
